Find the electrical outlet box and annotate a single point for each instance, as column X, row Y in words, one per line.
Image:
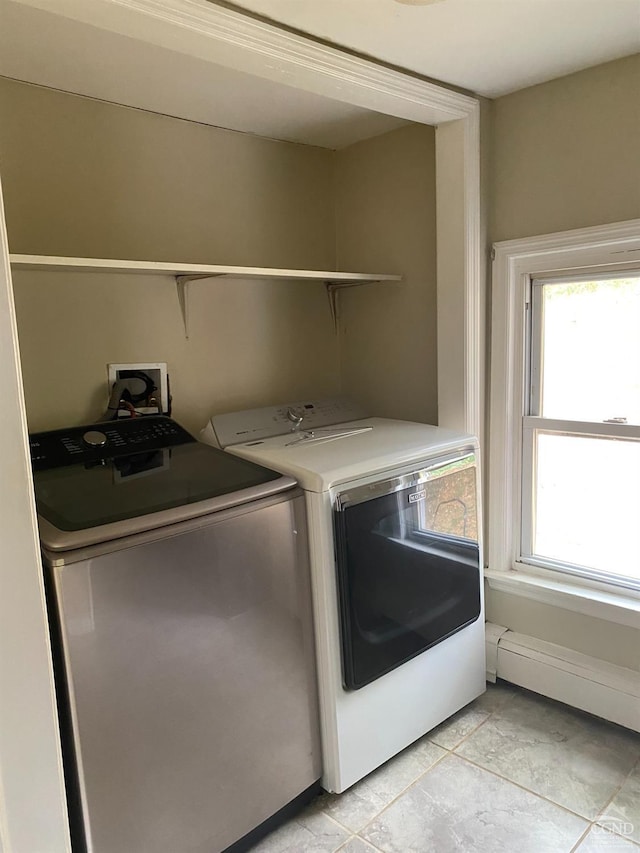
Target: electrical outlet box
column 157, row 373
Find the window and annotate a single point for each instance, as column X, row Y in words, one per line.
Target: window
column 580, row 448
column 564, row 463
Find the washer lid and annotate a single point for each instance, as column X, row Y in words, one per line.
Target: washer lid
column 82, row 504
column 352, row 450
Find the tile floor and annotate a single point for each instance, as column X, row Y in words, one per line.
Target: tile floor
column 511, row 773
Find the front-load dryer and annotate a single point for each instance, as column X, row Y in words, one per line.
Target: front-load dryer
column 394, row 520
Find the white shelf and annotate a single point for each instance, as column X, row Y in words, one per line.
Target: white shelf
column 186, row 274
column 43, row 262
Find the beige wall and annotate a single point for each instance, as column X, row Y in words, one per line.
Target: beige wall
column 565, row 155
column 251, row 343
column 385, row 222
column 85, row 178
column 618, row 644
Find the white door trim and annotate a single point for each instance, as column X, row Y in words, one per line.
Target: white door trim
column 33, row 812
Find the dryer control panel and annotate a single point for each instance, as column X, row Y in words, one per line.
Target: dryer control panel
column 258, row 424
column 95, row 442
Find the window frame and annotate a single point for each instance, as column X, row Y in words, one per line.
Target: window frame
column 601, row 251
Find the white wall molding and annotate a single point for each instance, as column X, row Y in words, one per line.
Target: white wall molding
column 581, row 681
column 474, row 281
column 235, row 40
column 460, row 279
column 562, row 244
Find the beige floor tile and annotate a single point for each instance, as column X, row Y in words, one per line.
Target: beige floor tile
column 357, row 806
column 457, row 806
column 623, row 813
column 571, row 758
column 496, row 696
column 456, row 728
column 357, row 845
column 600, row 840
column 311, row 832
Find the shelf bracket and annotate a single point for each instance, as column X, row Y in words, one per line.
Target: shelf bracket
column 332, row 292
column 182, row 285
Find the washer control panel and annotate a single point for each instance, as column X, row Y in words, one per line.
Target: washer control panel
column 96, row 442
column 258, row 424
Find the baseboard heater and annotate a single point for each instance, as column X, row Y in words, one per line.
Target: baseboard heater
column 593, row 685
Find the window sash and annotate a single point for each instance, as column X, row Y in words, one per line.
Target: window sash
column 607, row 578
column 532, row 426
column 535, row 325
column 604, row 429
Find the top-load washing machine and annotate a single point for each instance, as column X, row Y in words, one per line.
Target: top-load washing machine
column 393, row 511
column 179, row 599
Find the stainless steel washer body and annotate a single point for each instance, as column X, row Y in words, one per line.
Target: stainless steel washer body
column 185, row 656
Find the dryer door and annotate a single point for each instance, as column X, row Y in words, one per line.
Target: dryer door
column 408, row 563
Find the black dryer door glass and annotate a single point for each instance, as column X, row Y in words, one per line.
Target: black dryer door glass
column 408, row 566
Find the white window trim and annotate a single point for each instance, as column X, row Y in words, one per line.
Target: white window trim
column 514, row 263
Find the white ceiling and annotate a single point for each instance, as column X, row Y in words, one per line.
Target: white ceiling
column 490, row 47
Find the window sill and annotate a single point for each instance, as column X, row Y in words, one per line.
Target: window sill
column 620, row 607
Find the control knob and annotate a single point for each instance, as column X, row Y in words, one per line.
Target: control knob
column 296, row 417
column 94, row 438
